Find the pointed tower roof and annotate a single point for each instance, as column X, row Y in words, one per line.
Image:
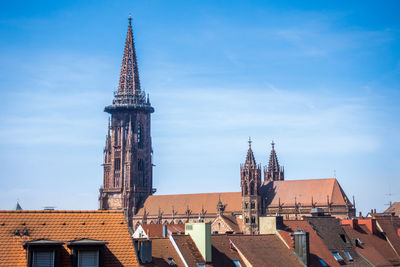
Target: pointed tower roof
column 18, row 206
column 129, row 90
column 273, row 164
column 129, row 96
column 250, row 160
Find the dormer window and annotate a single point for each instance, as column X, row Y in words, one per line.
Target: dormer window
column 43, row 253
column 87, row 252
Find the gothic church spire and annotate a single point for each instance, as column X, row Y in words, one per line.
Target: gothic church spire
column 273, row 172
column 129, row 91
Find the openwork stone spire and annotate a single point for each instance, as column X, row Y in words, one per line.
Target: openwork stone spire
column 250, row 181
column 273, row 172
column 129, row 91
column 250, row 160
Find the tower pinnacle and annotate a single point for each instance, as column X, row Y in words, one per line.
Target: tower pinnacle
column 273, row 172
column 129, row 91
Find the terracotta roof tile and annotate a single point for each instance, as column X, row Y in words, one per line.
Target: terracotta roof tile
column 195, row 202
column 262, row 249
column 374, row 248
column 334, row 237
column 395, row 207
column 222, row 253
column 188, row 248
column 162, row 249
column 390, row 225
column 66, row 226
column 317, row 247
column 155, row 230
column 303, row 191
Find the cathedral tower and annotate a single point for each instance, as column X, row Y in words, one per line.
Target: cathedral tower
column 273, row 172
column 250, row 176
column 128, row 180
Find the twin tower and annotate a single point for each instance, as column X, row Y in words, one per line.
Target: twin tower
column 250, row 181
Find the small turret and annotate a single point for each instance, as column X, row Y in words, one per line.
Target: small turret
column 273, row 172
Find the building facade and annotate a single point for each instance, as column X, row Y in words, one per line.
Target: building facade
column 128, row 180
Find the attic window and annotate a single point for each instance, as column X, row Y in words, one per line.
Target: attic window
column 171, row 261
column 201, row 264
column 360, row 241
column 343, row 237
column 236, row 263
column 337, row 256
column 42, row 252
column 347, row 253
column 43, row 258
column 88, row 258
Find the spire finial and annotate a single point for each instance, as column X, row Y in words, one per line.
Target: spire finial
column 273, row 144
column 130, row 19
column 249, row 142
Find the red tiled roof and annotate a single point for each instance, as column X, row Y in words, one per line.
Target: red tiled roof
column 374, row 248
column 395, row 207
column 303, row 191
column 222, row 253
column 162, row 249
column 64, row 226
column 195, row 202
column 390, row 225
column 188, row 248
column 317, row 247
column 155, row 230
column 262, row 249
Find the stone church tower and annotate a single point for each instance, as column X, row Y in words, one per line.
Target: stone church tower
column 273, row 172
column 250, row 176
column 128, row 153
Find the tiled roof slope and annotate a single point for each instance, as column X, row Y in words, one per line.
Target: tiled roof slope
column 390, row 225
column 264, row 250
column 188, row 248
column 374, row 248
column 395, row 207
column 303, row 191
column 317, row 247
column 155, row 230
column 195, row 202
column 162, row 249
column 64, row 226
column 331, row 233
column 222, row 253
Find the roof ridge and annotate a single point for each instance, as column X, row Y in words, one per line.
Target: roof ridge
column 61, row 211
column 195, row 194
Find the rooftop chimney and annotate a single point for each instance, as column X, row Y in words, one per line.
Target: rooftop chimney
column 302, row 246
column 144, row 251
column 201, row 235
column 317, row 212
column 270, row 224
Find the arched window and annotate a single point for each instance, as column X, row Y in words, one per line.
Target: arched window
column 251, row 188
column 140, row 135
column 245, row 190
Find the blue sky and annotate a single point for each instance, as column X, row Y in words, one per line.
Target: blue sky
column 319, row 78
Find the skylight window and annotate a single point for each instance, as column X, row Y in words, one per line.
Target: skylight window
column 236, row 263
column 360, row 241
column 337, row 256
column 348, row 255
column 323, row 263
column 201, row 264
